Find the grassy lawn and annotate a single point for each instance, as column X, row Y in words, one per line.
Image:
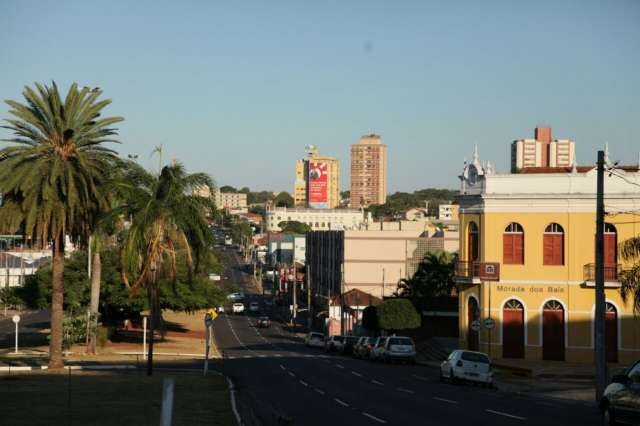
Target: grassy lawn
column 105, row 398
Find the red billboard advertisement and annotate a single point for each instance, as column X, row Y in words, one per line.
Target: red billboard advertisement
column 318, row 185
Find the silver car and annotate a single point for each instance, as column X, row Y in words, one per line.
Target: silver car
column 378, row 349
column 397, row 348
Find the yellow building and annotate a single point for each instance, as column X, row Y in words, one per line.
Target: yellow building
column 331, row 199
column 527, row 253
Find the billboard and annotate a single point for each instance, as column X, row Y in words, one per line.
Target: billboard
column 318, row 186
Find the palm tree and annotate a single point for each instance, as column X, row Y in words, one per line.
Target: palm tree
column 433, row 278
column 630, row 278
column 166, row 217
column 51, row 177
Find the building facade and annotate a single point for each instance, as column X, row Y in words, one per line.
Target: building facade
column 527, row 253
column 286, row 248
column 317, row 181
column 225, row 200
column 317, row 219
column 368, row 172
column 542, row 151
column 448, row 212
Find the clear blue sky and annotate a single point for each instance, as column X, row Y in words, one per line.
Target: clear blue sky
column 237, row 88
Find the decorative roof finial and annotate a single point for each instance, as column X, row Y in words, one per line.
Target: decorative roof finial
column 574, row 167
column 476, row 157
column 606, row 153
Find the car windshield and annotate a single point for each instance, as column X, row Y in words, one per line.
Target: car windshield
column 400, row 341
column 475, row 357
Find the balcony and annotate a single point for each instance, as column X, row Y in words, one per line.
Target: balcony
column 611, row 273
column 477, row 271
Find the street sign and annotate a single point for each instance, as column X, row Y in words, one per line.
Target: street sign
column 475, row 325
column 16, row 319
column 489, row 323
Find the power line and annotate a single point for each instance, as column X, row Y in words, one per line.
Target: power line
column 611, row 172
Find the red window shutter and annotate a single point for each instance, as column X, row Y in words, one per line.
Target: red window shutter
column 518, row 249
column 507, row 249
column 558, row 249
column 548, row 250
column 610, row 246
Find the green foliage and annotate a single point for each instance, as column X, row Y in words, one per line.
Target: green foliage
column 228, row 188
column 370, row 319
column 630, row 278
column 345, row 194
column 284, row 199
column 397, row 314
column 74, row 326
column 294, row 227
column 402, row 201
column 9, row 297
column 433, row 278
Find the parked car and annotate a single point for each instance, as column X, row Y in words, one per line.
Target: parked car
column 254, row 307
column 348, row 344
column 235, row 296
column 314, row 340
column 620, row 403
column 263, row 322
column 468, row 366
column 376, row 351
column 399, row 348
column 238, row 308
column 363, row 347
column 333, row 343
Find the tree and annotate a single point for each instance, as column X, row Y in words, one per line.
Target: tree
column 244, row 190
column 630, row 278
column 294, row 227
column 397, row 314
column 283, row 200
column 370, row 319
column 52, row 177
column 433, row 278
column 228, row 188
column 167, row 219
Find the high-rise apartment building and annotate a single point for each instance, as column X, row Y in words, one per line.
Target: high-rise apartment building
column 368, row 172
column 317, row 182
column 542, row 151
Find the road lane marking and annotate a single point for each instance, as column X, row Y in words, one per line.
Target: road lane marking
column 372, row 417
column 321, row 392
column 404, row 390
column 500, row 413
column 231, row 357
column 339, row 366
column 291, row 374
column 262, row 356
column 303, row 383
column 377, row 382
column 355, row 373
column 278, row 355
column 283, row 367
column 450, row 401
column 344, row 404
column 247, row 356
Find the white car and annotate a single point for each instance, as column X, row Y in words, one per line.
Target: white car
column 468, row 366
column 334, row 343
column 378, row 349
column 314, row 340
column 238, row 308
column 235, row 296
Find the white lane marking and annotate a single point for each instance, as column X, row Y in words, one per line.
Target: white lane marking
column 500, row 413
column 450, row 401
column 309, row 356
column 231, row 357
column 262, row 356
column 372, row 417
column 283, row 367
column 321, row 392
column 339, row 366
column 278, row 355
column 377, row 382
column 344, row 404
column 303, row 383
column 404, row 390
column 247, row 356
column 355, row 373
column 292, row 374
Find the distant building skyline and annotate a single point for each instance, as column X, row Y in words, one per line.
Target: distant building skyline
column 368, row 172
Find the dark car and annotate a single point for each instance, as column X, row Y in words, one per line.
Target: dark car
column 263, row 322
column 348, row 344
column 620, row 403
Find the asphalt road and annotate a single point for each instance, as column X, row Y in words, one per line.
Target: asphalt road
column 276, row 374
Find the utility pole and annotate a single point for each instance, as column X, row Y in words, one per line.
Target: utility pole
column 295, row 297
column 600, row 354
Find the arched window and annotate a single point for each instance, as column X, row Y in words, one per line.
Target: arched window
column 513, row 245
column 473, row 241
column 553, row 245
column 610, row 249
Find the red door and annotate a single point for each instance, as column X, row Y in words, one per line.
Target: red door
column 553, row 331
column 611, row 332
column 472, row 315
column 513, row 330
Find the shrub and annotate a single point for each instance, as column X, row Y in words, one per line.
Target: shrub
column 397, row 314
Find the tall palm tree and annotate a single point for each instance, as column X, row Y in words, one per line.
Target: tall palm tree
column 166, row 217
column 630, row 278
column 51, row 176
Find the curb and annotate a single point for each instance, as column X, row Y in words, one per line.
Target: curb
column 68, row 367
column 232, row 395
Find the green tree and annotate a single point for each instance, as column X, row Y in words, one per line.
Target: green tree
column 228, row 188
column 370, row 319
column 294, row 227
column 51, row 177
column 433, row 278
column 397, row 314
column 166, row 219
column 283, row 200
column 630, row 278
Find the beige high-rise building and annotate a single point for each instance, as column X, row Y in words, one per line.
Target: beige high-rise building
column 542, row 151
column 323, row 192
column 368, row 172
